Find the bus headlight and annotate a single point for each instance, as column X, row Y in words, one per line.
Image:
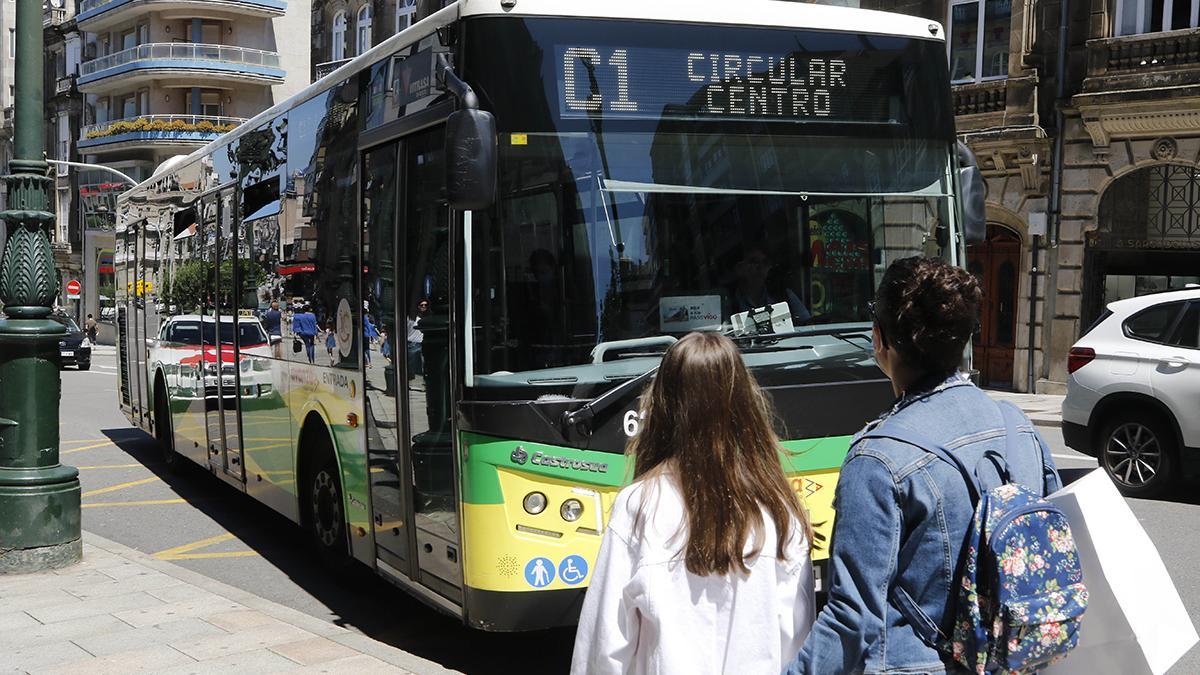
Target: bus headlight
column 534, row 503
column 571, row 510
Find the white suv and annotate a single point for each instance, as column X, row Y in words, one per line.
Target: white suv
column 1133, row 391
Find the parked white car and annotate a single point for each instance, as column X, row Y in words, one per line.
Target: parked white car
column 1133, row 391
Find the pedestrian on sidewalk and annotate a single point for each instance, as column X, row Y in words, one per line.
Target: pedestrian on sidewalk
column 903, row 513
column 704, row 567
column 89, row 328
column 304, row 326
column 273, row 321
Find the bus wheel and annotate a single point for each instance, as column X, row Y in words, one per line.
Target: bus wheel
column 324, row 513
column 162, row 428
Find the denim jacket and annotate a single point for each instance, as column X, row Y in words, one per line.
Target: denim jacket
column 902, row 516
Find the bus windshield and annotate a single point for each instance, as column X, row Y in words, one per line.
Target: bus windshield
column 647, row 192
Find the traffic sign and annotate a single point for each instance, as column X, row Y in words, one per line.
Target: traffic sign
column 74, row 288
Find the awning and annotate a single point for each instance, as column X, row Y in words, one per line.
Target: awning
column 271, row 208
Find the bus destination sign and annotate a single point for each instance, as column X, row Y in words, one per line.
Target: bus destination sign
column 647, row 83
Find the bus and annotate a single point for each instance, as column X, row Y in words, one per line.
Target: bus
column 539, row 198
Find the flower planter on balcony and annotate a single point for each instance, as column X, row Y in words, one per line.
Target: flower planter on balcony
column 157, row 129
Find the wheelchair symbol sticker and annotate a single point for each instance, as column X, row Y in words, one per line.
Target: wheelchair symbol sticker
column 573, row 569
column 539, row 572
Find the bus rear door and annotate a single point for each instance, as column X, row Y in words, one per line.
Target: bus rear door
column 221, row 358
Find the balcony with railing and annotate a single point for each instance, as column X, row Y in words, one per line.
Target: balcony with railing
column 323, row 69
column 155, row 59
column 64, row 86
column 53, row 16
column 154, row 130
column 96, row 15
column 1147, row 61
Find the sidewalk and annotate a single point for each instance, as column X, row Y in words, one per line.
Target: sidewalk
column 1044, row 409
column 120, row 611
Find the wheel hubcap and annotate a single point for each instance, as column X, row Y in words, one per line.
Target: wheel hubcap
column 1133, row 454
column 327, row 508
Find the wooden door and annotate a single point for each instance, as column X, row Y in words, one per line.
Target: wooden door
column 996, row 263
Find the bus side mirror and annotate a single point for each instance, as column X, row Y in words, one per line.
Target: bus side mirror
column 470, row 159
column 973, row 190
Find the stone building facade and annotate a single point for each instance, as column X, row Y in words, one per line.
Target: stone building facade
column 1088, row 134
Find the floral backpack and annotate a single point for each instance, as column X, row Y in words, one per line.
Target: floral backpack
column 1021, row 598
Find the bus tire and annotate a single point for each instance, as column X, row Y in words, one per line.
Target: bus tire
column 324, row 512
column 163, row 433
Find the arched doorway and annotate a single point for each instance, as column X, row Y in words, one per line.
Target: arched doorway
column 1147, row 237
column 995, row 263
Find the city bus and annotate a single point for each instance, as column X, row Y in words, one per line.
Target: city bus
column 539, row 198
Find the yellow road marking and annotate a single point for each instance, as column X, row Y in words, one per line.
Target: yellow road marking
column 198, row 556
column 85, row 440
column 110, row 466
column 121, row 486
column 149, row 502
column 184, row 552
column 187, row 548
column 86, row 447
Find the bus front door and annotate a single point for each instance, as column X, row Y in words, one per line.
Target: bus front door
column 409, row 396
column 391, row 479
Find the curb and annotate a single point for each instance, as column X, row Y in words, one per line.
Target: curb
column 344, row 636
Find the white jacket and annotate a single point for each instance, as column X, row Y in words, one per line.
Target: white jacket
column 645, row 613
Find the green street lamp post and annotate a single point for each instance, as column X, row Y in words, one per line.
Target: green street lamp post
column 39, row 498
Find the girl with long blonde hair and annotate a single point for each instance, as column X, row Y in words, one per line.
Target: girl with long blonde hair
column 704, row 566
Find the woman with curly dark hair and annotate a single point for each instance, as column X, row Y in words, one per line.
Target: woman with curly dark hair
column 902, row 513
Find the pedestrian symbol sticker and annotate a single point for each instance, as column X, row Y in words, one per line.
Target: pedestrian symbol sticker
column 539, row 572
column 573, row 569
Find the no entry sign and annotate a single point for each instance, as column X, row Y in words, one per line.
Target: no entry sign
column 74, row 288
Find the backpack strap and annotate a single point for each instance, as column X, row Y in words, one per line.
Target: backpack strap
column 929, row 633
column 1013, row 418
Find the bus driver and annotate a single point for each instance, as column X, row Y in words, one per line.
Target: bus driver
column 751, row 290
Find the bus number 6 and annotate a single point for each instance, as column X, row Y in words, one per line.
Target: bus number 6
column 633, row 422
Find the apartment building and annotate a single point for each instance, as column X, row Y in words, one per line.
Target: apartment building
column 161, row 78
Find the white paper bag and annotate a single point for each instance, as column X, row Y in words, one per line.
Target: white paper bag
column 1135, row 622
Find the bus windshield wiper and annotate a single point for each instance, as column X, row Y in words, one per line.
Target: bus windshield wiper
column 581, row 418
column 849, row 338
column 839, row 333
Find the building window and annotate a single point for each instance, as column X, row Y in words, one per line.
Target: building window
column 339, row 37
column 209, row 104
column 12, row 43
column 126, row 106
column 979, row 35
column 1150, row 16
column 364, row 29
column 406, row 11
